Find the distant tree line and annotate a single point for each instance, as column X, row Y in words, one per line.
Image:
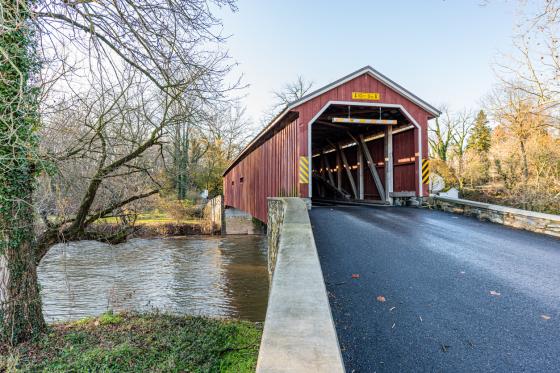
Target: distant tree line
column 509, row 153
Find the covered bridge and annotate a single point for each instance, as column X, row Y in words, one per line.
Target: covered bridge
column 360, row 138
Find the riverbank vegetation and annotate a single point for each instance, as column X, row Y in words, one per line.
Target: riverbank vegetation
column 509, row 152
column 163, row 217
column 104, row 106
column 139, row 343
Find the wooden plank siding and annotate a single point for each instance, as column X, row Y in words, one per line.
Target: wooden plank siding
column 271, row 168
column 404, row 162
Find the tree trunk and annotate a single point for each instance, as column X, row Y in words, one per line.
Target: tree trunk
column 21, row 315
column 525, row 169
column 524, row 163
column 181, row 160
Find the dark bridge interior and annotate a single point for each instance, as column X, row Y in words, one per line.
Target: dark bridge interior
column 342, row 145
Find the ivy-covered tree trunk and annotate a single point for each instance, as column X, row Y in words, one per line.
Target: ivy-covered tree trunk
column 20, row 304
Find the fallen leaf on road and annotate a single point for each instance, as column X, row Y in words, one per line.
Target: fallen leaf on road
column 545, row 317
column 380, row 298
column 355, row 275
column 495, row 293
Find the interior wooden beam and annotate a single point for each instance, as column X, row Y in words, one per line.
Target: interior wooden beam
column 328, row 167
column 361, row 172
column 371, row 166
column 338, row 171
column 347, row 167
column 332, row 125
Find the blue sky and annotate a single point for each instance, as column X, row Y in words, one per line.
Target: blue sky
column 443, row 51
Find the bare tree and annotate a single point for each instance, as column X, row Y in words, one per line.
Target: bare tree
column 448, row 143
column 520, row 114
column 441, row 136
column 291, row 92
column 462, row 126
column 534, row 67
column 119, row 74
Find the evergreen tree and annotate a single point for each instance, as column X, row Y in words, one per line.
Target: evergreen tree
column 479, row 142
column 480, row 139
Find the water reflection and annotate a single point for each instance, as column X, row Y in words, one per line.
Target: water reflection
column 215, row 276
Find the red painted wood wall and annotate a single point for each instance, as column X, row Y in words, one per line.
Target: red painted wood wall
column 268, row 171
column 272, row 169
column 363, row 83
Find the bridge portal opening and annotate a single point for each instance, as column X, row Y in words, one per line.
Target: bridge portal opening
column 363, row 152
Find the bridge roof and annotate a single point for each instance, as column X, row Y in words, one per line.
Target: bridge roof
column 364, row 70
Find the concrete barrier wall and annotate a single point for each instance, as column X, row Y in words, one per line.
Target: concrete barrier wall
column 529, row 220
column 299, row 333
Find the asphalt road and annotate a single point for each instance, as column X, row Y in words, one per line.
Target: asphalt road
column 459, row 295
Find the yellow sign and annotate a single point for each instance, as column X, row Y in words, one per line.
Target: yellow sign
column 303, row 170
column 425, row 171
column 374, row 96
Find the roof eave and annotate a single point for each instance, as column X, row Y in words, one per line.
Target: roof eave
column 377, row 75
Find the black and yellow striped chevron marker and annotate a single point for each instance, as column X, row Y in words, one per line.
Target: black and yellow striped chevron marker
column 425, row 171
column 303, row 170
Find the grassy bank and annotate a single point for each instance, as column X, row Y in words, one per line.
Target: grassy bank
column 139, row 343
column 161, row 225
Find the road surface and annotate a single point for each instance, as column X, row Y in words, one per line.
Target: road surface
column 438, row 292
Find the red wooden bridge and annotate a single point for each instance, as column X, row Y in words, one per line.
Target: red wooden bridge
column 361, row 138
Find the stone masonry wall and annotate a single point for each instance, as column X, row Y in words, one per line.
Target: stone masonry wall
column 522, row 219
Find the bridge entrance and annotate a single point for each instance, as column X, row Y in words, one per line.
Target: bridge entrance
column 362, row 137
column 363, row 152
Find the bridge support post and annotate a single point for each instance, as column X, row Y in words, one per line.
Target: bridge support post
column 338, row 172
column 236, row 221
column 360, row 171
column 388, row 150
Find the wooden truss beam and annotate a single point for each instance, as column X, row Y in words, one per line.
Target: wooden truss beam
column 371, row 166
column 347, row 167
column 328, row 167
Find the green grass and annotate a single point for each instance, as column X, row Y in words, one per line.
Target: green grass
column 139, row 343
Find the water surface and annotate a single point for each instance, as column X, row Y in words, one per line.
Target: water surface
column 199, row 275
